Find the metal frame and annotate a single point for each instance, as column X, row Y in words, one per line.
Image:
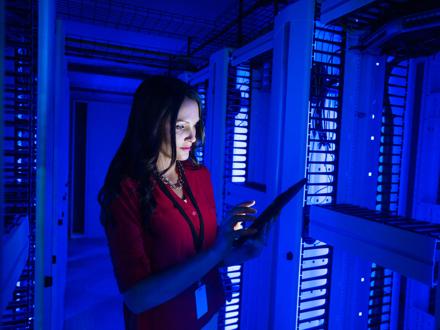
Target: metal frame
column 287, row 131
column 123, row 54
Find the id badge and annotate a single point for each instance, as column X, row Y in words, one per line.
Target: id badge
column 201, row 301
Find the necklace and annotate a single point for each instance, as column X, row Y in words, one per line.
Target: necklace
column 179, row 184
column 199, row 237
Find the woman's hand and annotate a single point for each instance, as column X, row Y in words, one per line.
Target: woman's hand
column 250, row 249
column 231, row 229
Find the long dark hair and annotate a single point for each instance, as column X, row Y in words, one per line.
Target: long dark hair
column 156, row 101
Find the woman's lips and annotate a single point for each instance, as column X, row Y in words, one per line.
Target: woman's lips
column 186, row 148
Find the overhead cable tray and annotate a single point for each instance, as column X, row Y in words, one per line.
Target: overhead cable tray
column 407, row 246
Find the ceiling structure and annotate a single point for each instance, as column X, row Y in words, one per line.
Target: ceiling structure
column 405, row 28
column 110, row 37
column 134, row 38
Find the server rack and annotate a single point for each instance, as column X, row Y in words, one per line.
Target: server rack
column 382, row 47
column 19, row 161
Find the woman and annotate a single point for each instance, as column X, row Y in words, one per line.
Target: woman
column 158, row 212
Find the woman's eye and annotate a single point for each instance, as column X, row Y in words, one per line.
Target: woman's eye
column 180, row 127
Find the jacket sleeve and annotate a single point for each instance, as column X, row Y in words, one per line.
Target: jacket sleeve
column 126, row 238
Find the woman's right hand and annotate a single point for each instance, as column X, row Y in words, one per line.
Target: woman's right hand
column 230, row 228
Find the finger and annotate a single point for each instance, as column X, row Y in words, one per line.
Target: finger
column 242, row 210
column 232, row 221
column 238, row 226
column 236, row 222
column 247, row 203
column 242, row 218
column 245, row 232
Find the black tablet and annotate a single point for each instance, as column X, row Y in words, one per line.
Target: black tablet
column 274, row 208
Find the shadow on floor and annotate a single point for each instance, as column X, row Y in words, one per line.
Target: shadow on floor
column 92, row 299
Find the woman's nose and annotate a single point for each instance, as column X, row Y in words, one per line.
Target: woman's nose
column 192, row 136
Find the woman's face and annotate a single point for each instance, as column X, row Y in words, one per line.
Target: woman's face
column 186, row 122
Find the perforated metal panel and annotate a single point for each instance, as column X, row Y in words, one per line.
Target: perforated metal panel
column 202, row 89
column 322, row 160
column 237, row 123
column 20, row 148
column 390, row 156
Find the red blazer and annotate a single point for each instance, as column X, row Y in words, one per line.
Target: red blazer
column 136, row 254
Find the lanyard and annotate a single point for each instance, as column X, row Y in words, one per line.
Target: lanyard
column 197, row 238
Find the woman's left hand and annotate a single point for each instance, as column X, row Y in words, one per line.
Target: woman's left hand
column 250, row 249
